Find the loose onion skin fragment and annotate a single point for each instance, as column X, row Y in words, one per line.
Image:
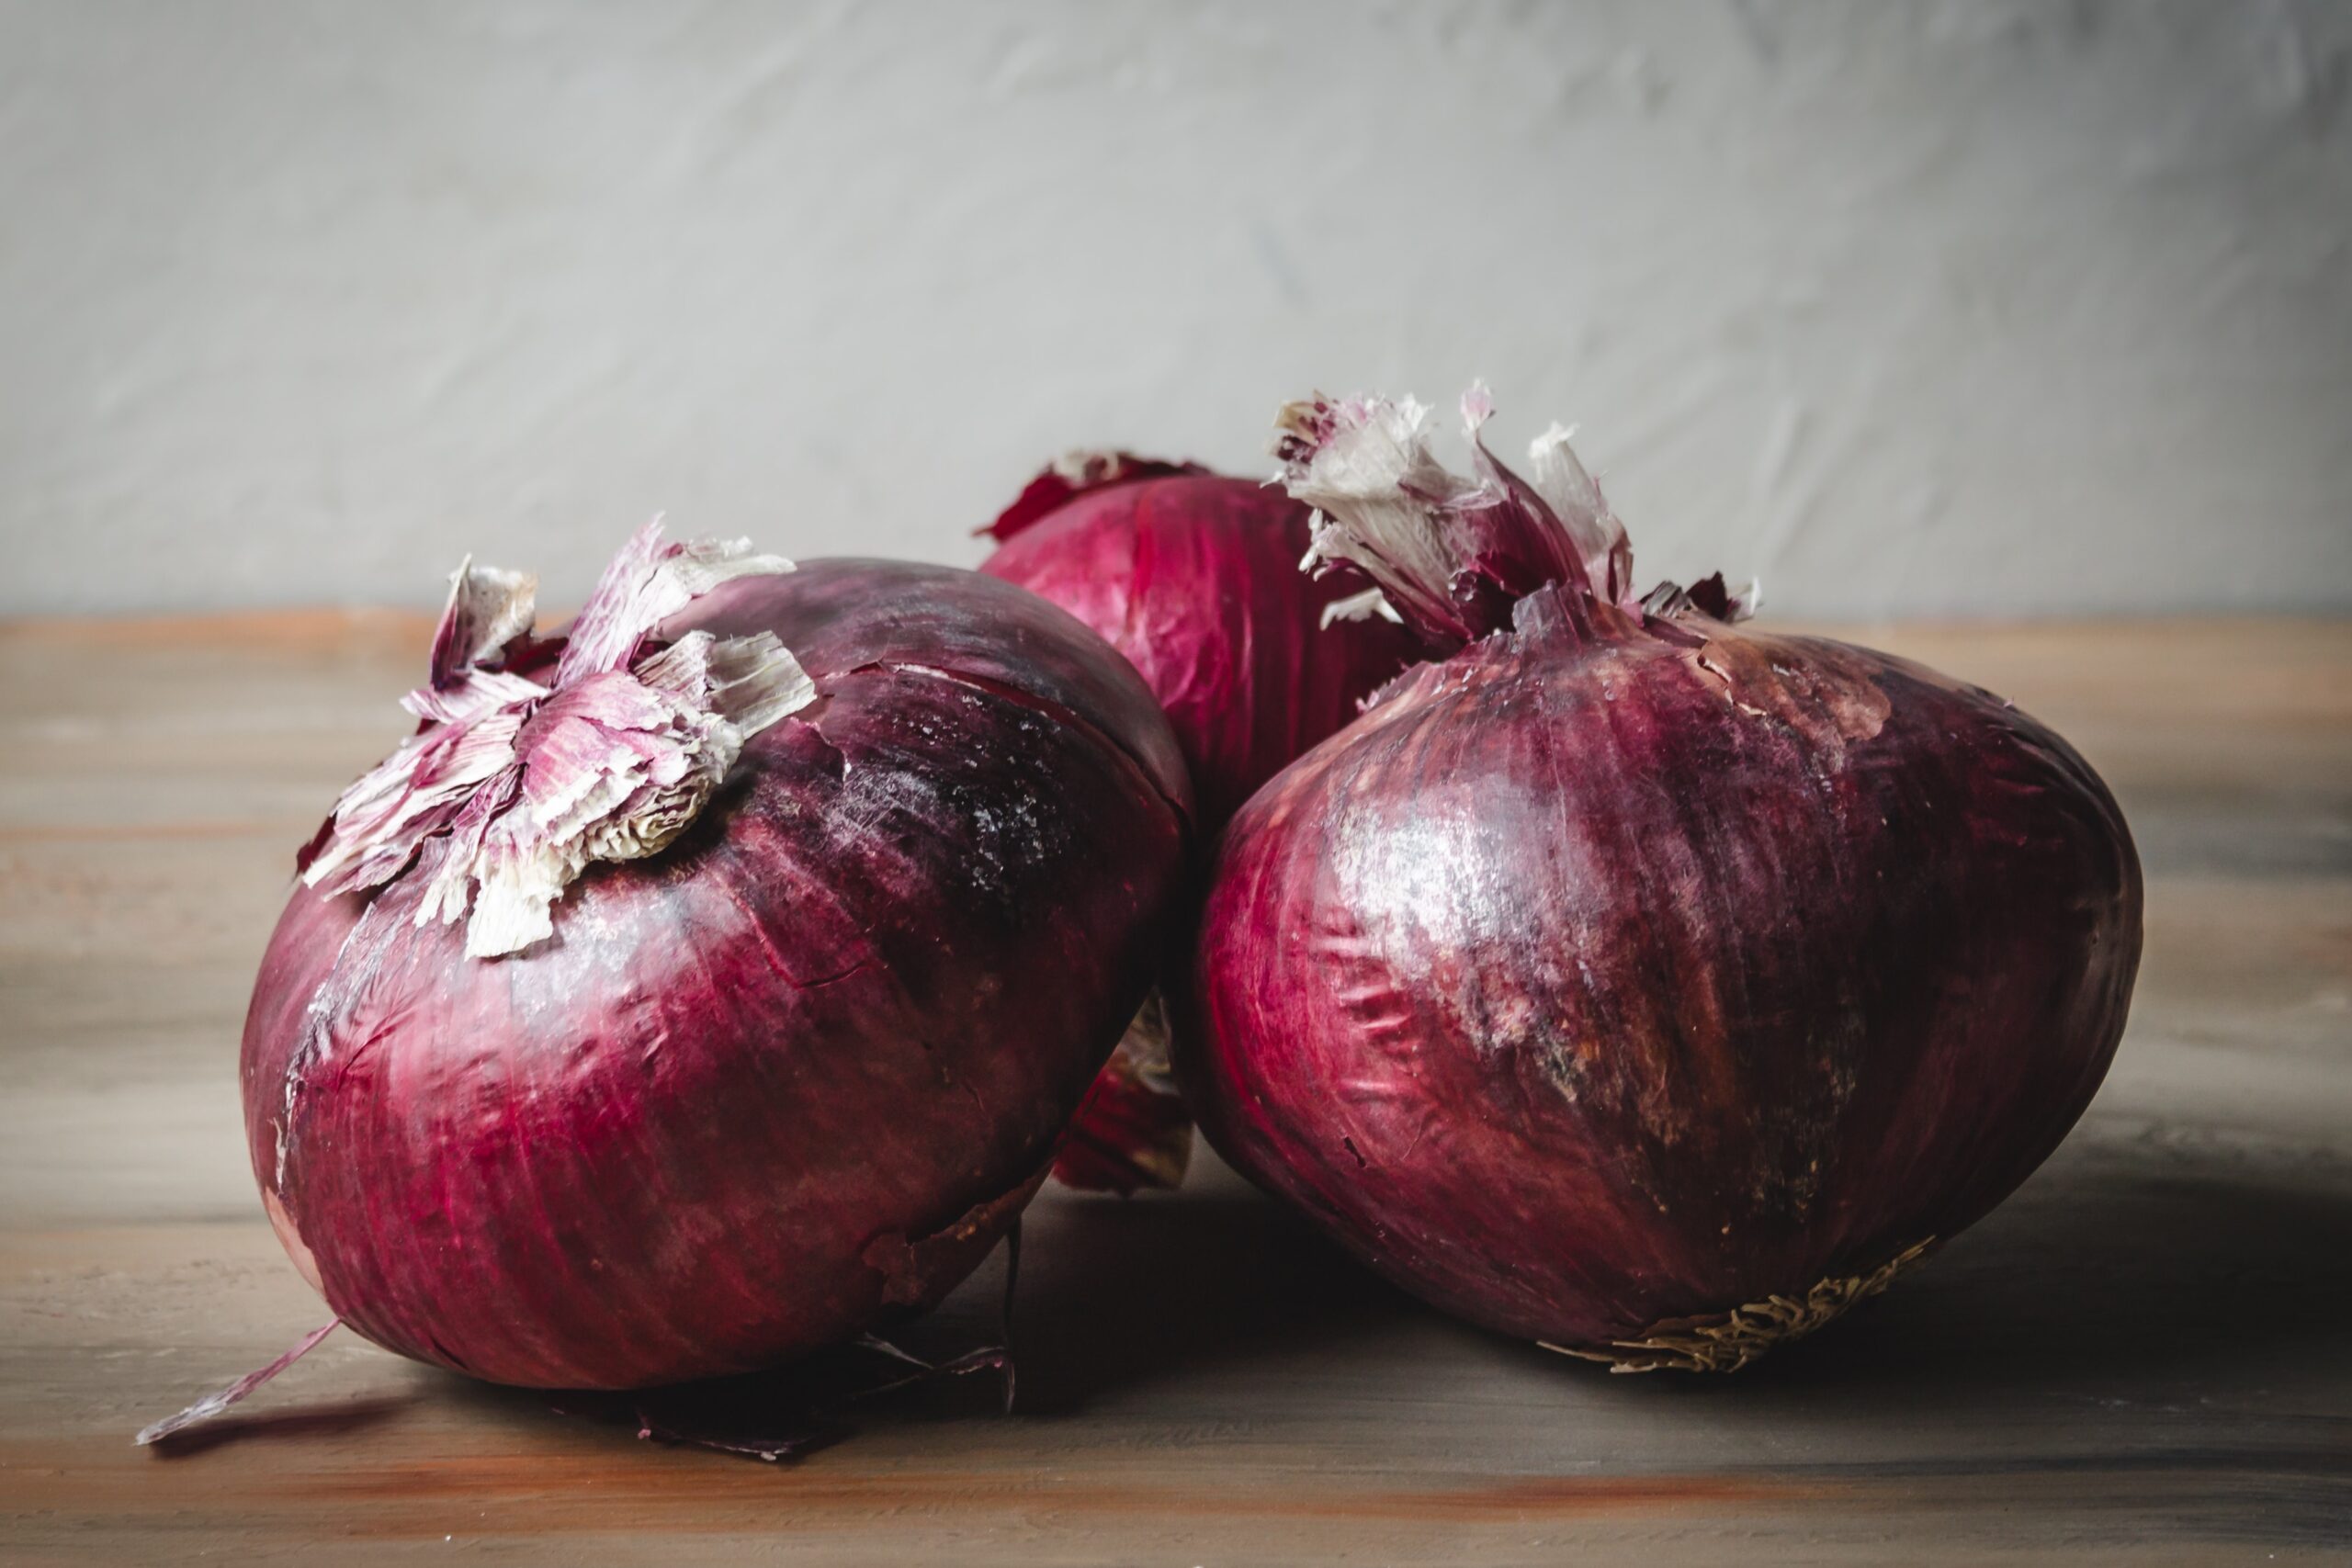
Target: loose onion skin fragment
column 794, row 1072
column 1633, row 982
column 1193, row 576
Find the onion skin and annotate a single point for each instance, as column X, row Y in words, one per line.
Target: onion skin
column 799, row 1070
column 1568, row 1050
column 1619, row 971
column 1194, row 578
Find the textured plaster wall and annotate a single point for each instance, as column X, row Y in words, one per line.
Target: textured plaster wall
column 1972, row 307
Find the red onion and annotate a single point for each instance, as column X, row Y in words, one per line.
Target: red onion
column 1194, row 578
column 1627, row 982
column 692, row 991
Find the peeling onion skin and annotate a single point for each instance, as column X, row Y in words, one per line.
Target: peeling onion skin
column 1194, row 578
column 797, row 1072
column 1627, row 968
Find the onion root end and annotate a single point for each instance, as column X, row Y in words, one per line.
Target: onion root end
column 1726, row 1341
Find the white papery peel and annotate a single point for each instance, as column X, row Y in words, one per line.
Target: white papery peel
column 513, row 788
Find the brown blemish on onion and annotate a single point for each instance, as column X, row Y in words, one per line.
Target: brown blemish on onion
column 1824, row 697
column 1725, row 1342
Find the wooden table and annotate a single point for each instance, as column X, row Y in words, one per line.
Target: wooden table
column 2144, row 1357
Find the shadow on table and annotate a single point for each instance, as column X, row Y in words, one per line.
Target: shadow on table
column 1112, row 1293
column 2146, row 1266
column 1119, row 1292
column 2118, row 1271
column 2115, row 1271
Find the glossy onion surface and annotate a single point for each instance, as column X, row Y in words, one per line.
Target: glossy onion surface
column 1625, row 980
column 1587, row 985
column 800, row 1069
column 1194, row 578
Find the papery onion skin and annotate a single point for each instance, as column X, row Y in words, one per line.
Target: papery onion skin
column 799, row 1070
column 1194, row 578
column 1608, row 974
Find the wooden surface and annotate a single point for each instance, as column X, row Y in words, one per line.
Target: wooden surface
column 2144, row 1357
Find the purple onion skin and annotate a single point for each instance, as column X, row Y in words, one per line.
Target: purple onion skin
column 1194, row 578
column 800, row 1069
column 1586, row 984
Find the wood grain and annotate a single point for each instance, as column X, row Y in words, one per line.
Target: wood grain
column 2142, row 1358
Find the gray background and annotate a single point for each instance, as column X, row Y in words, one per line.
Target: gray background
column 1912, row 308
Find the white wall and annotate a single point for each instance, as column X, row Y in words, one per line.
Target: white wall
column 1978, row 307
